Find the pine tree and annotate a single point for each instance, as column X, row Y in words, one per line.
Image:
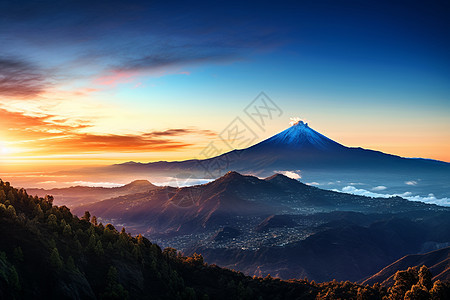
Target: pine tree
column 38, row 212
column 99, row 248
column 94, row 221
column 439, row 291
column 71, row 264
column 11, row 197
column 87, row 216
column 417, row 292
column 67, row 231
column 2, row 209
column 114, row 290
column 425, row 277
column 2, row 196
column 55, row 259
column 18, row 254
column 14, row 278
column 11, row 211
column 52, row 220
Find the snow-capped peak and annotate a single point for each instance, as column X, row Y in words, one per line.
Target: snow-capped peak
column 295, row 121
column 300, row 135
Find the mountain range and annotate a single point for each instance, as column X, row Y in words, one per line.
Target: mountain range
column 310, row 155
column 214, row 204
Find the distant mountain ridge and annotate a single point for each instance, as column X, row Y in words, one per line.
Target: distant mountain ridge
column 78, row 195
column 194, row 208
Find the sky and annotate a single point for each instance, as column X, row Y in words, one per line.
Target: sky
column 103, row 82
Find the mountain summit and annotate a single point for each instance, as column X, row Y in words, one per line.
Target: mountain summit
column 300, row 136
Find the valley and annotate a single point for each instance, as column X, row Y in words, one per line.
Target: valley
column 280, row 226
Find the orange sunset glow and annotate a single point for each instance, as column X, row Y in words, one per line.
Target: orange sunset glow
column 224, row 150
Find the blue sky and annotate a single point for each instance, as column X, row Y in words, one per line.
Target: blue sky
column 374, row 74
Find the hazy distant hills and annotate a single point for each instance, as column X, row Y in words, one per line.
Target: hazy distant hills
column 78, row 195
column 207, row 206
column 437, row 261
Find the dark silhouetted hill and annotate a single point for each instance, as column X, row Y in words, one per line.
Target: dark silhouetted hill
column 437, row 261
column 48, row 253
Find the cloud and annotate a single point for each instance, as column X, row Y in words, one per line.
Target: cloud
column 87, row 142
column 291, row 174
column 175, row 55
column 430, row 198
column 53, row 135
column 181, row 131
column 32, row 125
column 411, row 182
column 95, row 184
column 47, row 182
column 182, row 182
column 14, row 119
column 379, row 188
column 115, row 78
column 117, row 38
column 21, row 79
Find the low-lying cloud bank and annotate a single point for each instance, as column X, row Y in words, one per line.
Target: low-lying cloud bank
column 431, row 198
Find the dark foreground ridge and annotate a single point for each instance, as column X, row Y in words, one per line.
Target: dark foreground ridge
column 48, row 253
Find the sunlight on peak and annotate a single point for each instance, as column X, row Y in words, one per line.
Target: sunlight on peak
column 294, row 121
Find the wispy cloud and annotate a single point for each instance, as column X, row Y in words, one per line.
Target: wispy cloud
column 29, row 125
column 21, row 79
column 430, row 198
column 411, row 182
column 95, row 184
column 91, row 143
column 379, row 188
column 174, row 56
column 116, row 40
column 47, row 133
column 115, row 78
column 295, row 174
column 181, row 131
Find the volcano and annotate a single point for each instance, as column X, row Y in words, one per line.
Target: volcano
column 300, row 147
column 300, row 137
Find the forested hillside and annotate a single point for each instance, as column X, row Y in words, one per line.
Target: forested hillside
column 48, row 253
